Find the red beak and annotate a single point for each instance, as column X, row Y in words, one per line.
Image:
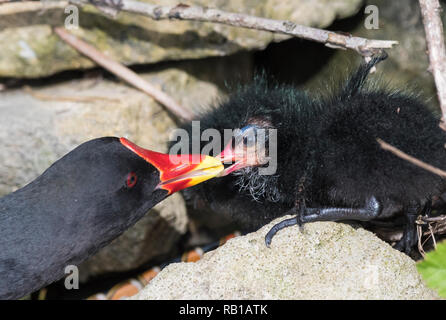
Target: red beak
column 178, row 172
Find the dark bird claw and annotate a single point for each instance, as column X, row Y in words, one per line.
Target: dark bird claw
column 410, row 235
column 279, row 226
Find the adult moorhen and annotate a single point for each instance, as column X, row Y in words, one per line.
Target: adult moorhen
column 81, row 203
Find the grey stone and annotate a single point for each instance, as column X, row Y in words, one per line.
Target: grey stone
column 327, row 260
column 31, row 49
column 406, row 68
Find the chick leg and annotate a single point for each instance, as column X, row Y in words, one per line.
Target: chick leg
column 369, row 212
column 410, row 238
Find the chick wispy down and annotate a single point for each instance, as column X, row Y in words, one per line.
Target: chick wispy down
column 330, row 166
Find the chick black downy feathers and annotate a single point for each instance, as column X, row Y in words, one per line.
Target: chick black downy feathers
column 329, row 163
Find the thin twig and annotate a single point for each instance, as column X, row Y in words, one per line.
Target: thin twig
column 428, row 233
column 420, row 245
column 433, row 236
column 436, row 226
column 438, row 222
column 124, row 73
column 411, row 159
column 365, row 47
column 441, row 218
column 433, row 27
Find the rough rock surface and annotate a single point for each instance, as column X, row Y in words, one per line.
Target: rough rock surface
column 326, row 261
column 39, row 125
column 31, row 49
column 407, row 65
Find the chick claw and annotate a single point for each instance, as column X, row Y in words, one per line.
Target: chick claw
column 281, row 225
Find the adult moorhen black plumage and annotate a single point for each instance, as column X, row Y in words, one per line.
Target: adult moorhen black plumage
column 81, row 203
column 329, row 163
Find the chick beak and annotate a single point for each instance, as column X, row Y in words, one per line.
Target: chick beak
column 178, row 172
column 238, row 156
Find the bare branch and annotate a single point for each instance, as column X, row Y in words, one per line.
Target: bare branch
column 125, row 73
column 411, row 159
column 436, row 227
column 433, row 27
column 419, row 242
column 434, row 219
column 365, row 47
column 439, row 229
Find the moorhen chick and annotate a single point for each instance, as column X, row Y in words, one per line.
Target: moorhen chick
column 328, row 164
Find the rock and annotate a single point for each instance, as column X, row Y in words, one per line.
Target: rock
column 408, row 62
column 39, row 125
column 406, row 68
column 327, row 260
column 31, row 49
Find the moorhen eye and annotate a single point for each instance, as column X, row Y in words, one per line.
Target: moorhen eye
column 131, row 180
column 249, row 140
column 249, row 133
